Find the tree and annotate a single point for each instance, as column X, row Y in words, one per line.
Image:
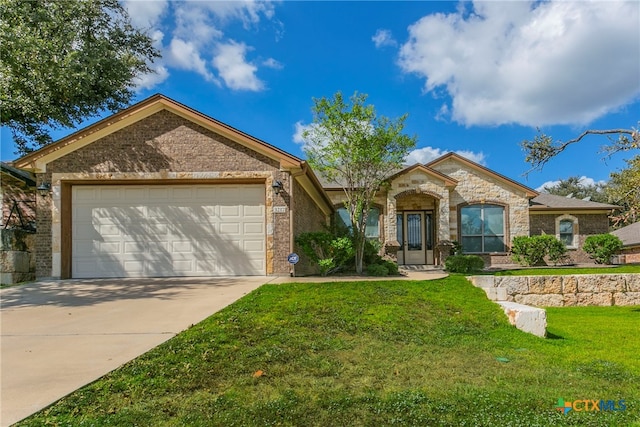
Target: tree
column 353, row 147
column 63, row 61
column 543, row 148
column 623, row 189
column 574, row 187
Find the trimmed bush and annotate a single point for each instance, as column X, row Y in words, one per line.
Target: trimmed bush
column 601, row 247
column 377, row 270
column 532, row 250
column 464, row 263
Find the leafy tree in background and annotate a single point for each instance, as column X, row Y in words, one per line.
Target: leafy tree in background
column 353, row 147
column 63, row 61
column 543, row 148
column 623, row 189
column 573, row 186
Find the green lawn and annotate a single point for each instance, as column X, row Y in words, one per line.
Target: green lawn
column 371, row 354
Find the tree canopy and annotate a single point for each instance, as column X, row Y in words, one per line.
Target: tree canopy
column 543, row 147
column 623, row 189
column 350, row 145
column 573, row 186
column 63, row 61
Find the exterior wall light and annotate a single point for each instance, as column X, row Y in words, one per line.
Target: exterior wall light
column 277, row 187
column 43, row 189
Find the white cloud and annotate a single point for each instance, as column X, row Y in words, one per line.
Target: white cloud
column 383, row 38
column 150, row 80
column 427, row 154
column 184, row 54
column 531, row 63
column 198, row 39
column 272, row 63
column 583, row 181
column 234, row 69
column 145, row 14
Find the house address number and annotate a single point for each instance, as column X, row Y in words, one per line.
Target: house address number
column 279, row 209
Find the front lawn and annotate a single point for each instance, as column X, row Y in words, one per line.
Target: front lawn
column 371, row 354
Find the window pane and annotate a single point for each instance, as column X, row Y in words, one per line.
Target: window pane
column 373, row 223
column 471, row 221
column 471, row 244
column 493, row 221
column 566, row 239
column 342, row 217
column 399, row 226
column 414, row 232
column 566, row 226
column 493, row 244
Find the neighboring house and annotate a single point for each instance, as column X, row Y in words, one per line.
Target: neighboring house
column 630, row 236
column 17, row 190
column 159, row 189
column 426, row 207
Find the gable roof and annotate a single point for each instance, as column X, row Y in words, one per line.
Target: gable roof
column 37, row 160
column 448, row 181
column 529, row 192
column 545, row 201
column 630, row 235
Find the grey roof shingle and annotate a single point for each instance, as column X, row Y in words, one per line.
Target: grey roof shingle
column 630, row 235
column 551, row 201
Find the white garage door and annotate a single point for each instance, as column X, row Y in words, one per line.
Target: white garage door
column 168, row 230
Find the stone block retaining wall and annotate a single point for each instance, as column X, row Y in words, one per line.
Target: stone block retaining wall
column 563, row 291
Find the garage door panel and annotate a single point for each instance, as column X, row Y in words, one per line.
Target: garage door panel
column 146, row 230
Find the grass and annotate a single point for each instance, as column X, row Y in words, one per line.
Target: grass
column 371, row 354
column 546, row 271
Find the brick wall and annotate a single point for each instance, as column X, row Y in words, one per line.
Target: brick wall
column 159, row 144
column 588, row 224
column 308, row 217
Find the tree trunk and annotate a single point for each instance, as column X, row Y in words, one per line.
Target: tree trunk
column 359, row 254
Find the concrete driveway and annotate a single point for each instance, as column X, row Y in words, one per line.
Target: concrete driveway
column 60, row 335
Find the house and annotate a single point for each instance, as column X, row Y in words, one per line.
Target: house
column 18, row 198
column 630, row 236
column 160, row 189
column 424, row 208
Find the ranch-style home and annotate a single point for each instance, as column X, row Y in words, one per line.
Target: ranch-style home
column 160, row 189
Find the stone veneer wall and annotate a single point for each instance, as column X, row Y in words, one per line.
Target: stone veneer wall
column 588, row 224
column 571, row 290
column 476, row 187
column 161, row 146
column 426, row 188
column 17, row 258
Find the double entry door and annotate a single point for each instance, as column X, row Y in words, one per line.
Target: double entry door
column 415, row 235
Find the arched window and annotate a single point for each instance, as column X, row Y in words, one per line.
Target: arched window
column 567, row 230
column 482, row 228
column 372, row 230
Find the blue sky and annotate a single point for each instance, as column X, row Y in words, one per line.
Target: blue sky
column 475, row 77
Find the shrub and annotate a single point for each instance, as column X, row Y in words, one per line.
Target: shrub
column 532, row 250
column 329, row 252
column 377, row 270
column 463, row 263
column 391, row 266
column 602, row 246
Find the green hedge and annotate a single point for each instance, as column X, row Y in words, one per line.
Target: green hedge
column 464, row 263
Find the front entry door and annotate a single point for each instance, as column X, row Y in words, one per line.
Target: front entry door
column 415, row 238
